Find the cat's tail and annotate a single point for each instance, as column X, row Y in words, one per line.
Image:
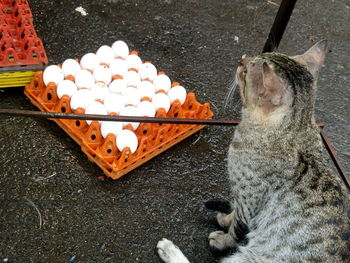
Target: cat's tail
column 222, row 206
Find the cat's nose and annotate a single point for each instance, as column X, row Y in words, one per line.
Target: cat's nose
column 244, row 60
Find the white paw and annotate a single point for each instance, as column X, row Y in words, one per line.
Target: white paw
column 220, row 240
column 224, row 220
column 170, row 253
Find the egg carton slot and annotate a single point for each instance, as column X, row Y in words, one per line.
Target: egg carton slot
column 152, row 139
column 22, row 51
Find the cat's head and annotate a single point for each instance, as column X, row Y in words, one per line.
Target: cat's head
column 276, row 88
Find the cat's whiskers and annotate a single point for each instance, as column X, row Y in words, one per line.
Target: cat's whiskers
column 230, row 94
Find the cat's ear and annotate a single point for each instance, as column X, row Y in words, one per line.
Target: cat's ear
column 273, row 89
column 314, row 58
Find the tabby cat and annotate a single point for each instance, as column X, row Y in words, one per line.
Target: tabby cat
column 287, row 205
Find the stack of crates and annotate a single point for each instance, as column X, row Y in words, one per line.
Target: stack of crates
column 22, row 52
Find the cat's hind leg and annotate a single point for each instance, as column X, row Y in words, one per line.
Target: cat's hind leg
column 220, row 240
column 223, row 207
column 170, row 253
column 225, row 220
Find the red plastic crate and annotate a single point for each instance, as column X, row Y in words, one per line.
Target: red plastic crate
column 19, row 44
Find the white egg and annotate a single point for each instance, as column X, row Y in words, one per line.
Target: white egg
column 113, row 127
column 147, row 108
column 132, row 78
column 127, row 138
column 84, row 79
column 162, row 82
column 66, row 87
column 53, row 74
column 118, row 86
column 100, row 91
column 118, row 67
column 161, row 100
column 95, row 107
column 120, row 49
column 114, row 103
column 81, row 99
column 146, row 89
column 177, row 93
column 105, row 54
column 70, row 67
column 102, row 74
column 131, row 111
column 147, row 71
column 131, row 96
column 89, row 61
column 133, row 61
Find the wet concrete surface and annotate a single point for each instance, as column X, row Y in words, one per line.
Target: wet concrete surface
column 84, row 220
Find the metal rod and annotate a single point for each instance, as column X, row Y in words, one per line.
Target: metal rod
column 97, row 117
column 279, row 25
column 333, row 153
column 76, row 116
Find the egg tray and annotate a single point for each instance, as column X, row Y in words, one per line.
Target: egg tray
column 153, row 138
column 22, row 52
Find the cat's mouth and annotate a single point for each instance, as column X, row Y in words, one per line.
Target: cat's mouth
column 242, row 68
column 239, row 78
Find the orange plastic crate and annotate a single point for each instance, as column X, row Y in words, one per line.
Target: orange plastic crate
column 153, row 138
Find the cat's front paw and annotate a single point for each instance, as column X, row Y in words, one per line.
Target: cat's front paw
column 170, row 253
column 220, row 240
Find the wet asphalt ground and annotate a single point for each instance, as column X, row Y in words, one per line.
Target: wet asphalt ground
column 196, row 43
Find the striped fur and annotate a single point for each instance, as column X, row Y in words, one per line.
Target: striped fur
column 294, row 208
